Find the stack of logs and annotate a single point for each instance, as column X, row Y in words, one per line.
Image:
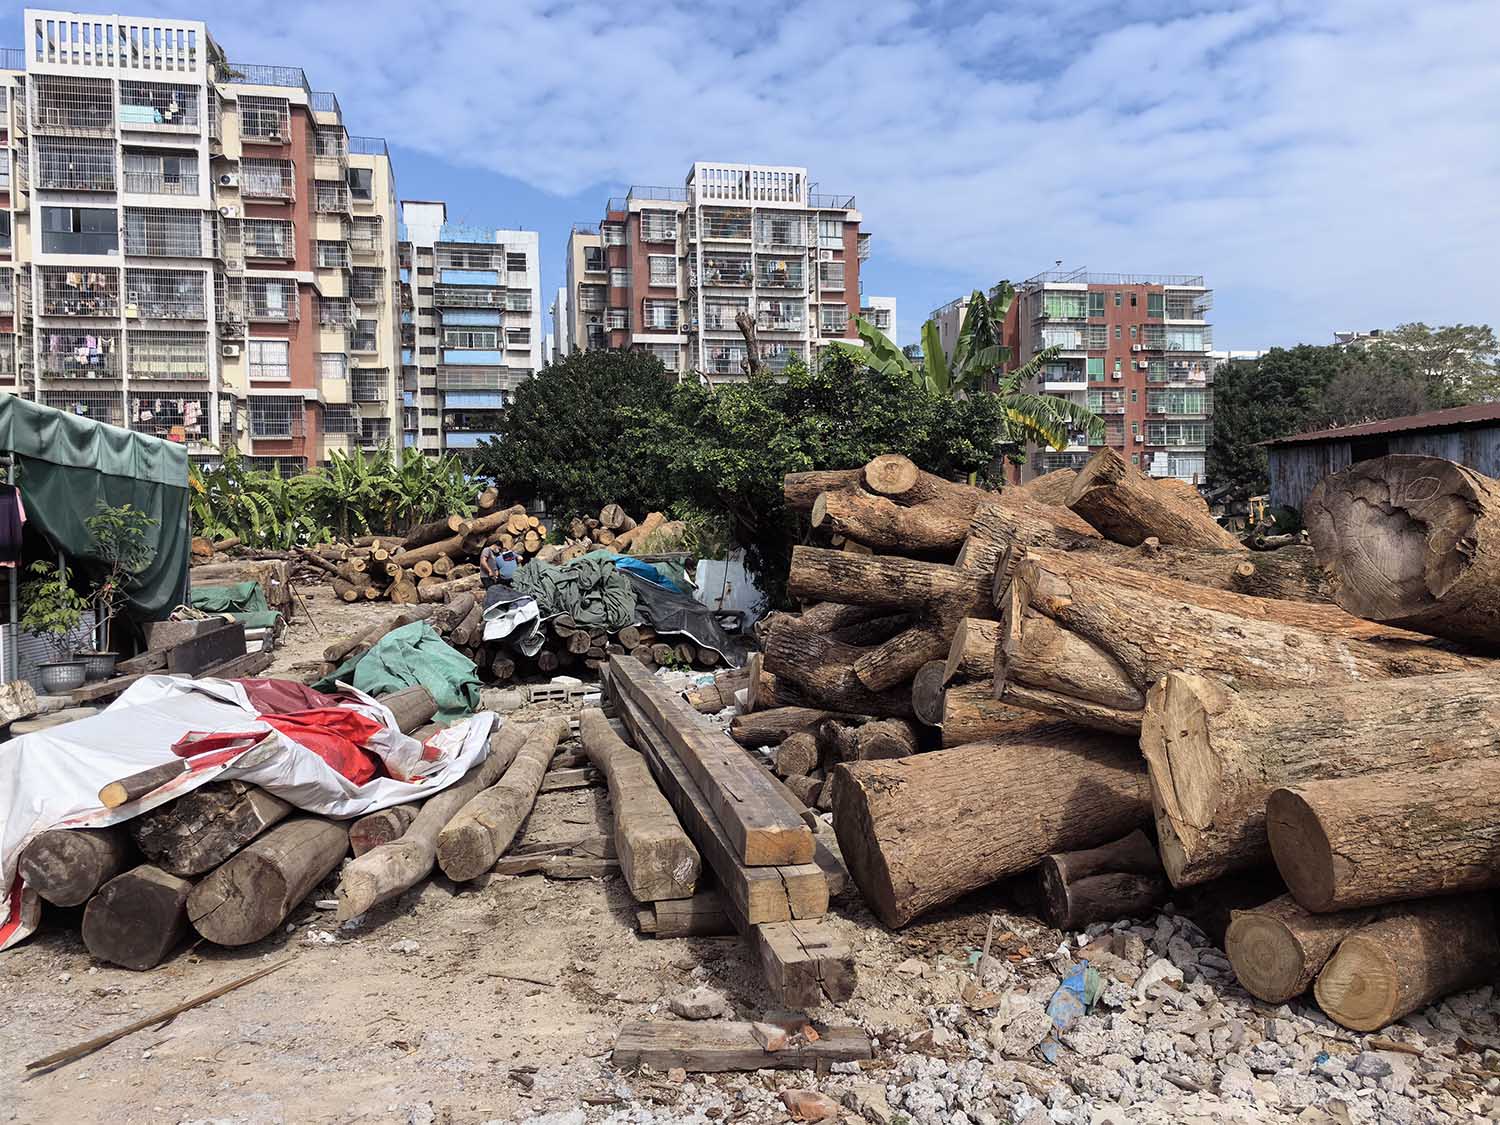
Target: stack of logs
column 1091, row 655
column 614, row 530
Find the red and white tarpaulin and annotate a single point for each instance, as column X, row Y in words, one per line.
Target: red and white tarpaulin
column 302, row 746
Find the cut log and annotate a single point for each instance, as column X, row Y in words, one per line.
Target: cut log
column 971, row 713
column 1141, row 628
column 887, row 526
column 1410, row 832
column 773, row 726
column 1409, row 959
column 797, row 754
column 502, row 667
column 249, row 896
column 337, row 652
column 440, row 566
column 886, row 581
column 896, row 661
column 1291, row 573
column 1121, row 879
column 385, row 872
column 1412, row 541
column 872, row 741
column 412, row 707
column 640, row 532
column 485, row 827
column 921, row 831
column 823, row 670
column 1049, row 488
column 898, row 477
column 437, row 530
column 318, row 561
column 971, row 654
column 1216, row 754
column 1278, row 950
column 801, row 490
column 1017, row 522
column 376, row 828
column 489, row 500
column 753, row 815
column 464, row 632
column 806, row 963
column 435, row 590
column 1128, row 507
column 656, row 856
column 137, row 918
column 200, row 830
column 453, row 545
column 613, row 517
column 67, row 865
column 403, row 591
column 270, row 575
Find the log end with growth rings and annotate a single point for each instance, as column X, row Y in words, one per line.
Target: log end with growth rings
column 1360, row 986
column 1184, row 771
column 1267, row 957
column 1301, row 849
column 891, row 474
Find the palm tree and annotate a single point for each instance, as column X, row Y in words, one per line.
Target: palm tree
column 978, row 357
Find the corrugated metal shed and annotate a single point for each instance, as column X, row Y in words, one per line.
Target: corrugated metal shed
column 1469, row 435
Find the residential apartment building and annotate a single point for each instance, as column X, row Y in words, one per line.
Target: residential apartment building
column 1135, row 349
column 881, row 313
column 471, row 326
column 675, row 265
column 199, row 249
column 579, row 321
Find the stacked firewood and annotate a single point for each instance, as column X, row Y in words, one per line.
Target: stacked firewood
column 1092, row 654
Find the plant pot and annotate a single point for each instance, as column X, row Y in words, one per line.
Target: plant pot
column 59, row 677
column 100, row 665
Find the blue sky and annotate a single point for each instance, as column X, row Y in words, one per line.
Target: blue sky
column 1327, row 164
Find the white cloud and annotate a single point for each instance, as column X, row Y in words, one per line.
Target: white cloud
column 1332, row 163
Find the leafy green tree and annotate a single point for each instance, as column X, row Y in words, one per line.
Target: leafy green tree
column 1369, row 386
column 122, row 544
column 50, row 608
column 1457, row 363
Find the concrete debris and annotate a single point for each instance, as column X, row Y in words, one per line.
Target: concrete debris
column 700, row 1004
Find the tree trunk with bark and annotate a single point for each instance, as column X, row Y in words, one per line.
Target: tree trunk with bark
column 376, row 828
column 1288, row 573
column 200, row 830
column 1120, row 879
column 869, row 742
column 412, row 707
column 137, row 918
column 891, row 583
column 770, row 727
column 437, row 530
column 1049, row 488
column 921, row 831
column 1408, row 959
column 1413, row 541
column 824, row 670
column 1129, row 507
column 1411, row 832
column 971, row 654
column 1278, row 950
column 887, row 526
column 1216, row 754
column 67, row 865
column 970, row 713
column 1019, row 522
column 800, row 490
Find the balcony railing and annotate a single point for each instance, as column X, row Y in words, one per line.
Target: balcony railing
column 75, row 165
column 468, row 296
column 69, row 292
column 80, row 356
column 785, row 276
column 368, row 388
column 165, row 295
column 331, row 199
column 480, row 379
column 363, row 342
column 271, row 299
column 168, row 355
column 268, row 179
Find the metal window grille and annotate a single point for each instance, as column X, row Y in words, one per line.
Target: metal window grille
column 772, row 231
column 617, row 318
column 75, row 165
column 374, row 432
column 831, row 275
column 7, row 361
column 619, row 277
column 518, row 300
column 833, row 321
column 165, row 295
column 339, row 418
column 661, row 314
column 365, row 236
column 726, row 359
column 595, row 336
column 64, row 104
column 727, row 223
column 471, row 338
column 333, row 365
column 330, row 154
column 269, row 360
column 780, row 316
column 515, row 263
column 1097, row 337
column 368, row 386
column 79, row 355
column 777, row 356
column 7, row 292
column 468, row 296
column 101, row 406
column 663, row 269
column 659, row 226
column 1154, row 337
column 782, row 273
column 157, row 174
column 4, row 168
column 21, row 168
column 591, row 298
column 164, row 233
column 267, row 238
column 518, row 337
column 719, row 312
column 726, row 269
column 335, row 312
column 174, row 415
column 362, row 339
column 265, row 119
column 667, row 353
column 275, row 416
column 167, row 355
column 229, row 300
column 612, row 234
column 270, row 298
column 367, row 285
column 267, row 179
column 333, row 255
column 330, row 198
column 71, row 292
column 472, row 258
column 159, row 105
column 593, row 259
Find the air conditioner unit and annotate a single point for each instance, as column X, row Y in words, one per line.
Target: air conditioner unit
column 229, row 179
column 1140, row 439
column 1117, row 375
column 234, row 265
column 1142, row 365
column 230, row 351
column 273, row 137
column 825, row 255
column 1135, row 347
column 229, row 211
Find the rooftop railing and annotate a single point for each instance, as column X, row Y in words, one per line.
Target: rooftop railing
column 325, row 101
column 255, row 74
column 831, row 202
column 369, row 146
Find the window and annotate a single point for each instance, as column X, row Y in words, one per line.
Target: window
column 1096, row 368
column 1096, row 304
column 269, row 360
column 161, row 175
column 619, row 277
column 362, row 183
column 661, row 314
column 1117, row 298
column 612, row 234
column 363, row 337
column 658, row 226
column 593, row 259
column 1119, row 332
column 80, row 230
column 515, row 263
column 1098, row 337
column 518, row 337
column 1133, row 300
column 833, row 319
column 1135, row 395
column 663, row 269
column 333, row 365
column 1068, row 306
column 1132, row 332
column 5, row 170
column 831, row 234
column 1135, row 428
column 1118, row 372
column 831, row 275
column 1135, row 458
column 484, row 338
column 1156, row 304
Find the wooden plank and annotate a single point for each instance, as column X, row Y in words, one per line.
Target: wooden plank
column 714, row 1046
column 557, row 866
column 103, row 689
column 751, row 894
column 251, row 664
column 584, row 778
column 195, row 654
column 761, row 828
column 146, row 662
column 806, row 962
column 703, row 915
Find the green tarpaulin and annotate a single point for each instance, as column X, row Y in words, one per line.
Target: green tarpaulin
column 244, row 601
column 68, row 465
column 413, row 654
column 589, row 589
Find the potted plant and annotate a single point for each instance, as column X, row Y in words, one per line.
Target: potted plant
column 53, row 611
column 121, row 544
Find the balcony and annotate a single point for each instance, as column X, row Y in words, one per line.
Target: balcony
column 181, row 356
column 265, row 120
column 179, row 416
column 1065, row 384
column 467, row 297
column 78, row 165
column 480, row 379
column 165, row 295
column 90, row 293
column 160, row 107
column 333, row 256
column 368, row 388
column 159, row 232
column 268, row 179
column 783, row 275
column 790, row 233
column 271, row 299
column 273, row 417
column 71, row 106
column 79, row 355
column 483, row 422
column 367, row 286
column 268, row 239
column 727, row 360
column 725, row 226
column 331, row 199
column 363, row 342
column 472, row 357
column 469, row 440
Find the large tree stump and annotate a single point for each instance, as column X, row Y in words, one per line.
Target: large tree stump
column 66, row 865
column 1277, row 950
column 656, row 856
column 898, row 477
column 200, row 830
column 921, row 831
column 484, row 828
column 1413, row 541
column 1216, row 754
column 248, row 897
column 1120, row 879
column 1409, row 959
column 137, row 918
column 1129, row 507
column 1403, row 833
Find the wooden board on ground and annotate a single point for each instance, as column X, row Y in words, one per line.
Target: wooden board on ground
column 207, row 649
column 713, row 1046
column 703, row 915
column 103, row 689
column 805, row 961
column 758, row 824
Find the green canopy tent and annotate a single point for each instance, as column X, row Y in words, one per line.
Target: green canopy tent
column 65, row 466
